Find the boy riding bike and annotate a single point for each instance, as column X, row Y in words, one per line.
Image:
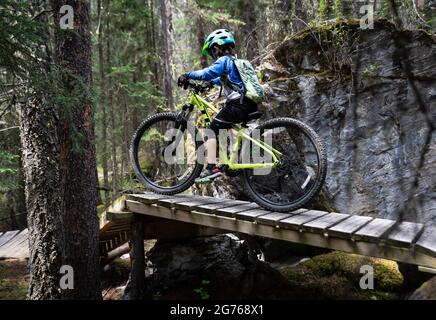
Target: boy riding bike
column 296, row 163
column 219, row 45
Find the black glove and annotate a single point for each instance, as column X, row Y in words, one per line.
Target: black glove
column 183, row 80
column 206, row 86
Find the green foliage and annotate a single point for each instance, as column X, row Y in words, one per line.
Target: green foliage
column 337, row 8
column 322, row 9
column 202, row 292
column 371, row 70
column 8, row 169
column 18, row 32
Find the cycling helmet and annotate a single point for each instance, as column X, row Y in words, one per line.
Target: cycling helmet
column 218, row 37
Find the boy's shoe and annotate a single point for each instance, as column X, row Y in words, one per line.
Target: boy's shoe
column 209, row 175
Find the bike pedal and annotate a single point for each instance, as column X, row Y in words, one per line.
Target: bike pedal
column 205, row 182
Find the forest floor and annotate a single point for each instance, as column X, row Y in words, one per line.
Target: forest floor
column 333, row 275
column 14, row 279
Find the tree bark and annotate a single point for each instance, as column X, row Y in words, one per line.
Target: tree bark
column 136, row 286
column 110, row 104
column 200, row 39
column 60, row 170
column 249, row 29
column 102, row 101
column 167, row 35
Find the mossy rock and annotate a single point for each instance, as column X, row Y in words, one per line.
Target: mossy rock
column 386, row 273
column 336, row 275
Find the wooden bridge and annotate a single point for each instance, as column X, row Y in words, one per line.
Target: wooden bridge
column 136, row 217
column 162, row 216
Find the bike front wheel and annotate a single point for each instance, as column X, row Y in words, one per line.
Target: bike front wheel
column 164, row 153
column 300, row 173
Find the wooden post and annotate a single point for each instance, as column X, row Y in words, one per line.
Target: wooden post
column 137, row 258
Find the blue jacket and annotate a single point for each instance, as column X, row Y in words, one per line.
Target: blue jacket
column 221, row 67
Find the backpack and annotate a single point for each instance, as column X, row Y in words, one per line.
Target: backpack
column 253, row 89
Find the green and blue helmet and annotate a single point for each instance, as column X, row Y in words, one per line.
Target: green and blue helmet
column 218, row 37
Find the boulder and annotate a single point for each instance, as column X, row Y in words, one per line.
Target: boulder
column 426, row 291
column 211, row 267
column 370, row 95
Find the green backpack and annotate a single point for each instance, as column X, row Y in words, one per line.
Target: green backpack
column 253, row 89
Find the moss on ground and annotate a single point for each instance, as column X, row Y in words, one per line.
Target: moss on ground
column 14, row 279
column 337, row 275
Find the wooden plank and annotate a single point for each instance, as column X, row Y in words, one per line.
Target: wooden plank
column 15, row 240
column 192, row 204
column 8, row 235
column 147, row 197
column 404, row 233
column 296, row 221
column 324, row 222
column 273, row 218
column 348, row 226
column 427, row 241
column 374, row 230
column 251, row 215
column 213, row 207
column 231, row 211
column 123, row 216
column 10, row 248
column 170, row 200
column 119, row 227
column 18, row 250
column 313, row 239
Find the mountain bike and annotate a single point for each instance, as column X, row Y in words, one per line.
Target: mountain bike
column 291, row 171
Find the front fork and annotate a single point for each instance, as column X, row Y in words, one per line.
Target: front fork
column 181, row 122
column 184, row 114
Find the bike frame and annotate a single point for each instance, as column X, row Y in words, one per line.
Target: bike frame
column 203, row 106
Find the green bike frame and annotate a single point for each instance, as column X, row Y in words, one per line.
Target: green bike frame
column 203, row 106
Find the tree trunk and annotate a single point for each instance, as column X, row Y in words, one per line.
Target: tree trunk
column 110, row 104
column 135, row 288
column 167, row 35
column 78, row 167
column 153, row 42
column 102, row 102
column 60, row 171
column 249, row 29
column 44, row 197
column 200, row 40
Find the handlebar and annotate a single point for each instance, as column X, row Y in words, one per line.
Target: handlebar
column 198, row 88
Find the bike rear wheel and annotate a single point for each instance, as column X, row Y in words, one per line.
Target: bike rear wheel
column 302, row 169
column 164, row 153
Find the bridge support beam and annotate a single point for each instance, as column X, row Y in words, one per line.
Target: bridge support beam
column 137, row 259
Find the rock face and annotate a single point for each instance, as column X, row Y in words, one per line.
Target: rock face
column 426, row 292
column 371, row 96
column 210, row 267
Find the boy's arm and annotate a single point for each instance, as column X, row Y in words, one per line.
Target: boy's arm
column 216, row 81
column 212, row 72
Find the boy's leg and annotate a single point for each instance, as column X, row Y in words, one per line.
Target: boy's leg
column 212, row 171
column 210, row 146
